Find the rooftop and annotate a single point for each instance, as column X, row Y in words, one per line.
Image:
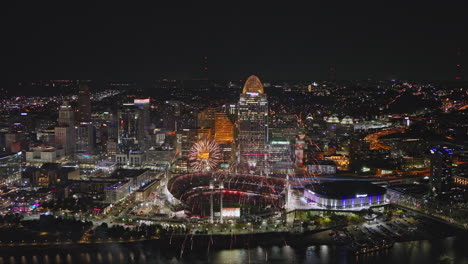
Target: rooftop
column 346, row 189
column 412, row 189
column 148, row 185
column 126, row 173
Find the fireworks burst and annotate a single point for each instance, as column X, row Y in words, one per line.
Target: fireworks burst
column 204, row 155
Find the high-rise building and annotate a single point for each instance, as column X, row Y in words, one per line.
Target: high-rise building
column 84, row 104
column 65, row 138
column 224, row 136
column 143, row 133
column 441, row 170
column 65, row 131
column 105, row 124
column 224, row 129
column 131, row 128
column 85, row 138
column 252, row 128
column 169, row 115
column 66, row 115
column 231, row 111
column 128, row 126
column 279, row 157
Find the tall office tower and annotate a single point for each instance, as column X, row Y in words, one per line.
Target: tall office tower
column 66, row 115
column 144, row 107
column 441, row 170
column 65, row 138
column 224, row 129
column 84, row 104
column 231, row 111
column 105, row 124
column 85, row 138
column 224, row 136
column 279, row 158
column 169, row 115
column 65, row 131
column 252, row 128
column 127, row 128
column 130, row 128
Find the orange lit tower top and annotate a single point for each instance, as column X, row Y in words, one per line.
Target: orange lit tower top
column 253, row 84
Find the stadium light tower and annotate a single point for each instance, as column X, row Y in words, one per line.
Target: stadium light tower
column 221, row 187
column 211, row 201
column 288, row 194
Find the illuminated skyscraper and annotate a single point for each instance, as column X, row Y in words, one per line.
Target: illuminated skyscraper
column 65, row 131
column 85, row 138
column 133, row 121
column 441, row 170
column 143, row 106
column 252, row 127
column 129, row 124
column 84, row 104
column 224, row 129
column 66, row 115
column 224, row 136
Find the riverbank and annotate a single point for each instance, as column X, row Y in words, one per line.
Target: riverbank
column 210, row 241
column 396, row 229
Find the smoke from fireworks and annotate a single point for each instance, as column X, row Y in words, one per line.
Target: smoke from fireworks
column 204, row 155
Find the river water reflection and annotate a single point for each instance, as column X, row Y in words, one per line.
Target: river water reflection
column 452, row 248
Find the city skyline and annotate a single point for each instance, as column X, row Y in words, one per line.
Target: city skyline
column 244, row 164
column 230, row 133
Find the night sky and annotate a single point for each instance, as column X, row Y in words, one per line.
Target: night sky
column 113, row 41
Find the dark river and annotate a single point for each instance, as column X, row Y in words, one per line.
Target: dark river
column 453, row 249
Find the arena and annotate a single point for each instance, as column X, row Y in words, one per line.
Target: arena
column 345, row 195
